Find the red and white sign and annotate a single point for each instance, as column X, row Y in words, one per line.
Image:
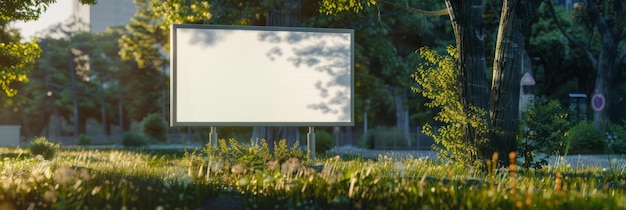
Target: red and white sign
column 598, row 102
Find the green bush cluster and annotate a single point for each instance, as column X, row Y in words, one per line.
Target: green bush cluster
column 543, row 129
column 41, row 146
column 154, row 127
column 584, row 138
column 617, row 137
column 254, row 155
column 84, row 140
column 133, row 139
column 380, row 138
column 324, row 141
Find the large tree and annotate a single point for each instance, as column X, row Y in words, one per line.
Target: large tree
column 466, row 18
column 608, row 20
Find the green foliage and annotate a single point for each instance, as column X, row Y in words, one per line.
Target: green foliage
column 41, row 146
column 583, row 138
column 616, row 137
column 119, row 179
column 323, row 141
column 84, row 140
column 543, row 129
column 134, row 139
column 437, row 80
column 254, row 155
column 28, row 10
column 385, row 138
column 333, row 6
column 154, row 127
column 16, row 61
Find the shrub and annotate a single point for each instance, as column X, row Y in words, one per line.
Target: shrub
column 437, row 80
column 153, row 126
column 133, row 139
column 617, row 137
column 583, row 138
column 323, row 141
column 253, row 155
column 41, row 146
column 84, row 140
column 544, row 127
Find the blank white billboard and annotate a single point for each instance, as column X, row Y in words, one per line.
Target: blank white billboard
column 261, row 76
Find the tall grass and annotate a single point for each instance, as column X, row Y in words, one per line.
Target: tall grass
column 117, row 179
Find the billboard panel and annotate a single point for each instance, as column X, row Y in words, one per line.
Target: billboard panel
column 261, row 76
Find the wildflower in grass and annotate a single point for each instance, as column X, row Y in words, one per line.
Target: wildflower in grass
column 237, row 169
column 272, row 165
column 290, row 166
column 63, row 175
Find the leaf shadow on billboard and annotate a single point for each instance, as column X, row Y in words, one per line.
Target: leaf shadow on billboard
column 308, row 61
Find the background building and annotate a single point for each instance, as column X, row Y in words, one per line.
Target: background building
column 105, row 14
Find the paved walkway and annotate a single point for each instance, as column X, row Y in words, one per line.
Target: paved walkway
column 576, row 161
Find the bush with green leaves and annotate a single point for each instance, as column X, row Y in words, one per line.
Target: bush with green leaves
column 543, row 129
column 154, row 127
column 385, row 138
column 84, row 140
column 323, row 141
column 254, row 155
column 437, row 80
column 133, row 139
column 41, row 146
column 617, row 137
column 584, row 138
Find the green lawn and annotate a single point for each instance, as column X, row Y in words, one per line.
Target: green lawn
column 245, row 178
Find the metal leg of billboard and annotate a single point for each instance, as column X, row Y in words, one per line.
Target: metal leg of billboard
column 213, row 136
column 310, row 140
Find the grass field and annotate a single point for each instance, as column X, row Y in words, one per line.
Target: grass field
column 247, row 179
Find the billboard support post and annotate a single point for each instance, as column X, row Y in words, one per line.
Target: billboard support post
column 213, row 136
column 310, row 140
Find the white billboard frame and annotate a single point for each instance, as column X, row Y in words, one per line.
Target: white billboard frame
column 197, row 100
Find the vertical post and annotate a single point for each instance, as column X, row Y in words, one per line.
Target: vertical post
column 365, row 123
column 310, row 140
column 213, row 136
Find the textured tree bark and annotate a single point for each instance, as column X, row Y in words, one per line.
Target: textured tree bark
column 607, row 67
column 466, row 18
column 515, row 22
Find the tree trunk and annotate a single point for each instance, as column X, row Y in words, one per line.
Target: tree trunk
column 503, row 106
column 285, row 13
column 74, row 94
column 466, row 19
column 606, row 71
column 606, row 68
column 402, row 113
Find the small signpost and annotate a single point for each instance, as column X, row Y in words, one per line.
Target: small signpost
column 598, row 102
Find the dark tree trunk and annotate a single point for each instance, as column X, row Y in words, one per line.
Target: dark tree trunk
column 607, row 61
column 72, row 68
column 504, row 101
column 402, row 113
column 611, row 34
column 466, row 18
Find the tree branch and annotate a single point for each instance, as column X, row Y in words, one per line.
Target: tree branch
column 441, row 12
column 571, row 39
